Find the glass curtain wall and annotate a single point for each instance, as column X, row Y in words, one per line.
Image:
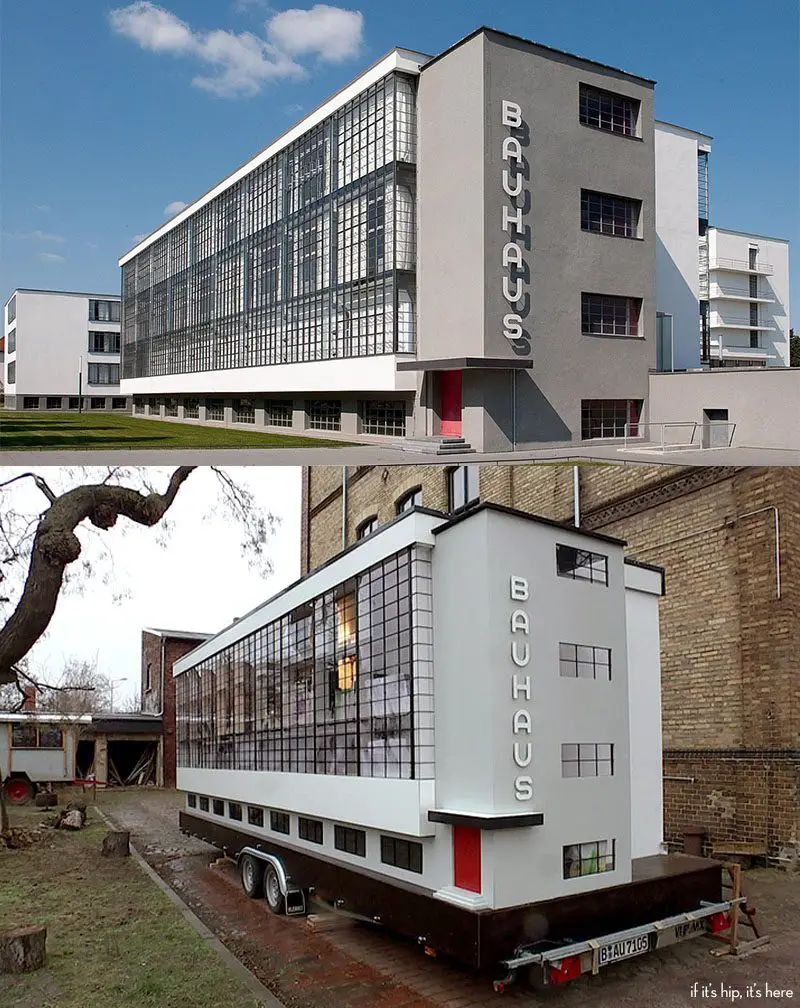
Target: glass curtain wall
column 328, row 688
column 309, row 257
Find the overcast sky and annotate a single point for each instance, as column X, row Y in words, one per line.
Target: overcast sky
column 194, row 578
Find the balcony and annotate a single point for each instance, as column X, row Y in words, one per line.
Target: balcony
column 717, row 293
column 718, row 321
column 741, row 266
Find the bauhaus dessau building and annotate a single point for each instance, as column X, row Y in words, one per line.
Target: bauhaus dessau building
column 460, row 245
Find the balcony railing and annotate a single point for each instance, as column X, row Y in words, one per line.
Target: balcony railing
column 741, row 266
column 718, row 293
column 718, row 321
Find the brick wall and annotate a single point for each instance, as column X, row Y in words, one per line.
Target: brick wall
column 174, row 648
column 730, row 676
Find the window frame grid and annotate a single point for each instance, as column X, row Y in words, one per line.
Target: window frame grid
column 595, row 571
column 609, row 111
column 587, row 759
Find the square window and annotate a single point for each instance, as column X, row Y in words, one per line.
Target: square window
column 219, row 806
column 203, row 804
column 279, row 822
column 255, row 816
column 191, row 801
column 235, row 811
column 309, row 829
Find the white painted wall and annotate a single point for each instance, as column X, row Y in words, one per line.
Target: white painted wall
column 643, row 590
column 53, row 344
column 727, row 245
column 677, row 259
column 351, row 374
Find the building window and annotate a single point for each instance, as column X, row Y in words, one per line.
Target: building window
column 235, row 811
column 279, row 822
column 103, row 374
column 244, row 411
column 605, row 315
column 103, row 342
column 608, row 111
column 148, row 677
column 589, row 858
column 581, row 565
column 587, row 759
column 30, row 401
column 50, row 737
column 219, row 806
column 409, row 500
column 406, row 854
column 385, row 417
column 23, row 736
column 11, row 310
column 324, row 414
column 154, row 405
column 139, row 405
column 215, row 409
column 611, row 215
column 11, row 341
column 32, row 736
column 191, row 801
column 74, row 402
column 351, row 841
column 191, row 409
column 104, row 311
column 12, row 372
column 346, row 664
column 119, row 402
column 367, row 527
column 255, row 816
column 278, row 413
column 203, row 804
column 53, row 402
column 170, row 406
column 97, row 402
column 752, row 258
column 583, row 661
column 610, row 418
column 309, row 829
column 462, row 486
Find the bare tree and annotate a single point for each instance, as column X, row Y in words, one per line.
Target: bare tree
column 47, row 549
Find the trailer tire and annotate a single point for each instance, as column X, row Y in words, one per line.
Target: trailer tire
column 272, row 891
column 18, row 790
column 251, row 872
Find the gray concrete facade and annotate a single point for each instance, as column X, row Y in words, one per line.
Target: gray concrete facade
column 463, row 227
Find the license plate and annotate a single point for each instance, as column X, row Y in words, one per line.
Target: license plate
column 681, row 931
column 626, row 949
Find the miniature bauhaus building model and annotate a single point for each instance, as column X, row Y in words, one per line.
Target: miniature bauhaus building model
column 461, row 711
column 498, row 243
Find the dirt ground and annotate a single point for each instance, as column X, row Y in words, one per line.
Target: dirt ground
column 356, row 966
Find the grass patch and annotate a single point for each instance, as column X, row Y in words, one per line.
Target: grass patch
column 113, row 938
column 31, row 430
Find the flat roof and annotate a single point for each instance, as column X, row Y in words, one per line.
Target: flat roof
column 36, row 290
column 747, row 234
column 547, row 49
column 683, row 129
column 469, row 512
column 177, row 634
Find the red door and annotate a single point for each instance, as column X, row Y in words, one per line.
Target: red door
column 450, row 388
column 467, row 858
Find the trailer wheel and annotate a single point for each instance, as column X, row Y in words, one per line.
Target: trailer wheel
column 18, row 790
column 251, row 872
column 272, row 891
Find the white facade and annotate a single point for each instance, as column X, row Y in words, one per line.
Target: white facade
column 681, row 249
column 748, row 299
column 495, row 702
column 58, row 350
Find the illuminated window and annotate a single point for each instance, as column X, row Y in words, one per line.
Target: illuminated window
column 589, row 858
column 347, row 664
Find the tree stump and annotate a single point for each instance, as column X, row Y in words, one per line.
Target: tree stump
column 46, row 799
column 72, row 820
column 23, row 950
column 116, row 843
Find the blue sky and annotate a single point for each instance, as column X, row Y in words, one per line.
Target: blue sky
column 110, row 118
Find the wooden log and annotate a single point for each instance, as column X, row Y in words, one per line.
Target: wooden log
column 73, row 820
column 23, row 950
column 46, row 799
column 116, row 843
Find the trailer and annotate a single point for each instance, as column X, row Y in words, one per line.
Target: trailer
column 36, row 750
column 452, row 729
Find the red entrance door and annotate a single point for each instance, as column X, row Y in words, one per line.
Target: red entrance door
column 467, row 858
column 450, row 388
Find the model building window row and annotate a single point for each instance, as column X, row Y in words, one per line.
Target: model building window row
column 584, row 661
column 352, row 841
column 32, row 736
column 327, row 688
column 581, row 565
column 587, row 759
column 308, row 257
column 589, row 858
column 406, row 854
column 608, row 111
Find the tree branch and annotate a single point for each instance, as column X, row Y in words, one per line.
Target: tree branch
column 55, row 546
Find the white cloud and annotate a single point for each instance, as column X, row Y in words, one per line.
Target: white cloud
column 42, row 236
column 43, row 207
column 240, row 63
column 331, row 33
column 139, row 237
column 51, row 257
column 169, row 211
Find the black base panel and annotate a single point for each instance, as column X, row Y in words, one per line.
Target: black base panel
column 662, row 886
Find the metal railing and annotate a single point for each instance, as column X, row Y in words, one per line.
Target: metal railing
column 711, row 436
column 765, row 269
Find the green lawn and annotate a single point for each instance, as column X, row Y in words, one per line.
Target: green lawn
column 34, row 430
column 113, row 938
